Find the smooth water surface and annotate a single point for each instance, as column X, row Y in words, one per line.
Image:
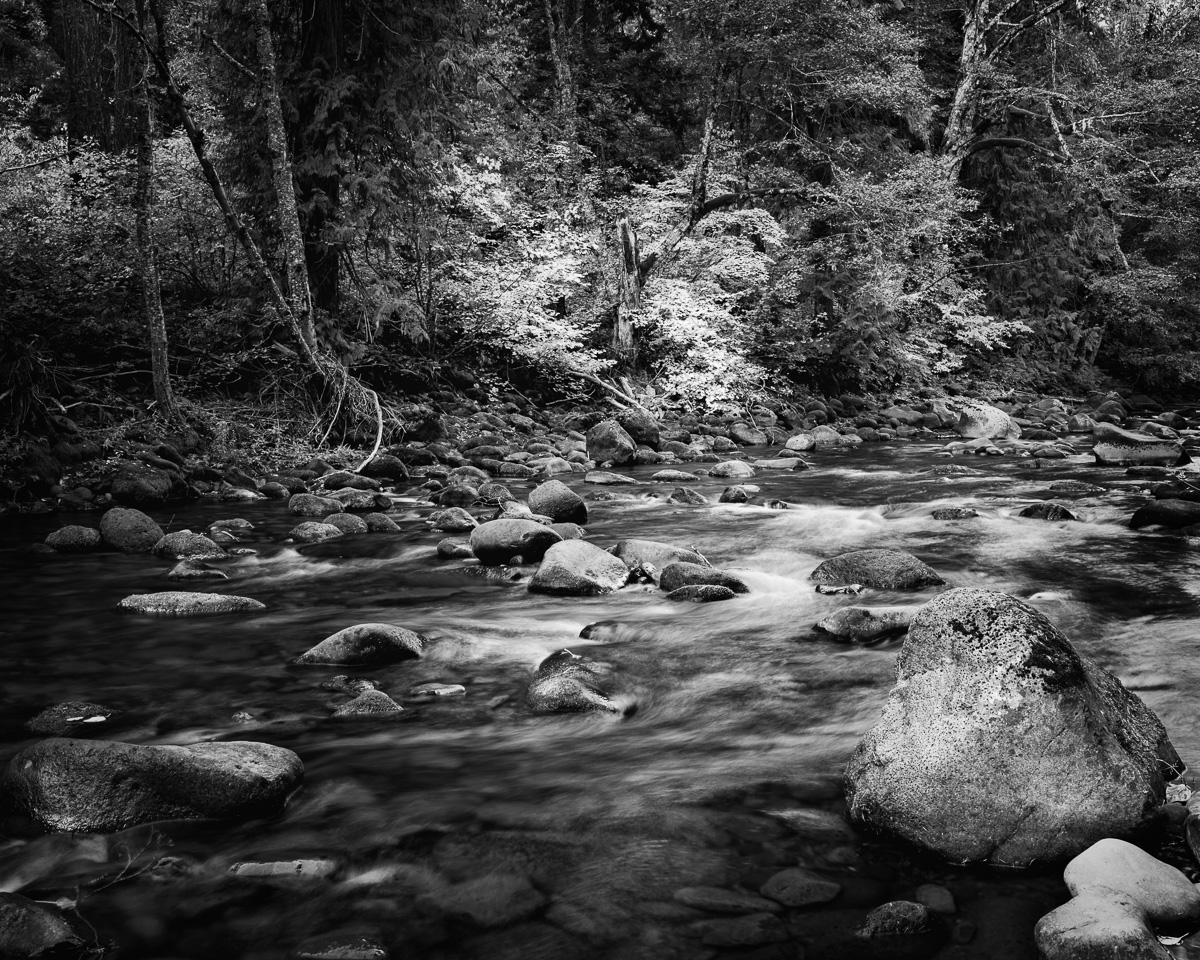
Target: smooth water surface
column 742, row 717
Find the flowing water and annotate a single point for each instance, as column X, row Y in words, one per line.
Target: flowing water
column 565, row 835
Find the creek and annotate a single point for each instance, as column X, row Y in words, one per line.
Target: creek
column 727, row 769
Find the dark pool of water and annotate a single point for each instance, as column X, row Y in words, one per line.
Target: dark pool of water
column 743, row 714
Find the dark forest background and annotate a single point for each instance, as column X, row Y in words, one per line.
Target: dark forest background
column 327, row 204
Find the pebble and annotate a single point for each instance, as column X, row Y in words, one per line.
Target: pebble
column 749, row 931
column 797, row 887
column 936, row 897
column 721, row 900
column 435, row 690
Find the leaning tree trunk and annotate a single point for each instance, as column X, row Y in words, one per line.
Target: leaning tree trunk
column 147, row 253
column 964, row 109
column 295, row 265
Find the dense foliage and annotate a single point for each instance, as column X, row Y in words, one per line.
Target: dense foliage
column 819, row 195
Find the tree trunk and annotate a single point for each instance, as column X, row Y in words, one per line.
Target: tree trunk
column 629, row 285
column 964, row 109
column 295, row 266
column 321, row 43
column 147, row 251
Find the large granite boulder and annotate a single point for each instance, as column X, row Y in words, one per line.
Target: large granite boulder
column 578, row 568
column 978, row 419
column 883, row 569
column 641, row 427
column 1114, row 447
column 554, row 499
column 102, row 786
column 366, row 644
column 1002, row 744
column 130, row 530
column 498, row 541
column 607, row 442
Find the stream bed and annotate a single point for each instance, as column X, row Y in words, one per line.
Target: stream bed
column 467, row 827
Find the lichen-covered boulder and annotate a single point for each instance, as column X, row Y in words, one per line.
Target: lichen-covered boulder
column 347, row 523
column 579, row 568
column 130, row 530
column 310, row 505
column 883, row 569
column 1114, row 447
column 747, row 435
column 634, row 553
column 314, row 531
column 367, row 644
column 607, row 442
column 185, row 545
column 102, row 786
column 181, row 603
column 138, row 484
column 700, row 593
column 554, row 499
column 1002, row 744
column 353, row 499
column 74, row 538
column 978, row 419
column 498, row 541
column 641, row 427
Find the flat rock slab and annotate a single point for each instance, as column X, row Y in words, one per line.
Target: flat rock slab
column 721, row 900
column 634, row 553
column 102, row 786
column 1162, row 891
column 498, row 541
column 30, row 929
column 181, row 603
column 606, row 479
column 862, row 624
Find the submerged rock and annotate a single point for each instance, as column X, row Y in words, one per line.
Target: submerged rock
column 181, row 603
column 366, row 644
column 1115, row 447
column 567, row 683
column 31, row 929
column 498, row 541
column 700, row 593
column 1047, row 511
column 884, row 569
column 1001, row 744
column 102, row 786
column 681, row 574
column 863, row 624
column 683, row 495
column 579, row 568
column 1172, row 514
column 634, row 553
column 368, row 703
column 63, row 717
column 954, row 513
